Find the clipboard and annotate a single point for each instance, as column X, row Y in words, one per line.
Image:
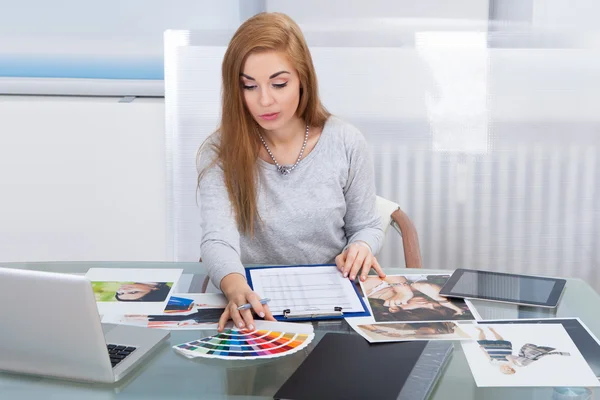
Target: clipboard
column 312, row 314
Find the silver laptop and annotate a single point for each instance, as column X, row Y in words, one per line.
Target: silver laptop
column 50, row 326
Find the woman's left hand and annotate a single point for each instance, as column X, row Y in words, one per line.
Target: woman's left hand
column 357, row 258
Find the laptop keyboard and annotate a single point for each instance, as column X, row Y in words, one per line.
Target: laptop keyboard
column 118, row 353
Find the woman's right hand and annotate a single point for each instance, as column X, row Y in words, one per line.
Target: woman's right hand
column 238, row 292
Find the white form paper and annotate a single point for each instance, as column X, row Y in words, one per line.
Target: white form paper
column 305, row 289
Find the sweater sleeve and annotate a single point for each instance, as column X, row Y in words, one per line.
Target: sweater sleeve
column 220, row 244
column 362, row 220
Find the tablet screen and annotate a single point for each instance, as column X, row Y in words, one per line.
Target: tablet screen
column 517, row 288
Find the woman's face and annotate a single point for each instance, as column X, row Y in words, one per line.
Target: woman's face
column 426, row 330
column 271, row 89
column 134, row 291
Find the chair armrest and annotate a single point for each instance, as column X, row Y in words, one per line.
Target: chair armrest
column 410, row 239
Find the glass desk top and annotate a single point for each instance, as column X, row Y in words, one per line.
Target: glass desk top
column 167, row 374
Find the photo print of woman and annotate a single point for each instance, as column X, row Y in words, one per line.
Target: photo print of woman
column 413, row 298
column 131, row 291
column 399, row 331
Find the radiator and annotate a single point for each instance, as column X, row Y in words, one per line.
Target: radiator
column 533, row 209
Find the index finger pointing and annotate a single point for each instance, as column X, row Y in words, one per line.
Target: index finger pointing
column 378, row 268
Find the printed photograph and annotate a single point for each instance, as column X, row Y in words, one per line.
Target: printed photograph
column 409, row 298
column 183, row 311
column 131, row 291
column 179, row 304
column 123, row 291
column 206, row 318
column 584, row 339
column 526, row 355
column 399, row 331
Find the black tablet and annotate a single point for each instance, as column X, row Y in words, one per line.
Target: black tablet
column 509, row 288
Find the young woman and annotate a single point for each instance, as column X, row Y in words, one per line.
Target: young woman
column 281, row 181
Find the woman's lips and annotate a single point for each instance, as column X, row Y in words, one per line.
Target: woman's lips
column 269, row 117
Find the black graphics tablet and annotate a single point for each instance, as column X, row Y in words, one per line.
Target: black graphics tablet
column 401, row 370
column 508, row 288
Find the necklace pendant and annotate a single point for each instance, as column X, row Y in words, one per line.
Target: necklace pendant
column 284, row 170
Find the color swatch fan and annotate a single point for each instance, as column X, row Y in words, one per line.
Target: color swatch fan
column 267, row 340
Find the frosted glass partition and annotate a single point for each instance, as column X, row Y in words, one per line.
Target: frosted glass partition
column 488, row 138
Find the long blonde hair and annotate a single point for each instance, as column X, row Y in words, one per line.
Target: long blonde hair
column 239, row 145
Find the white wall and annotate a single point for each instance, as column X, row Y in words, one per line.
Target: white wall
column 81, row 179
column 571, row 15
column 110, row 26
column 310, row 11
column 117, row 43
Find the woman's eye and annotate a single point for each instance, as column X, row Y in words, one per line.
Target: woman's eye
column 275, row 85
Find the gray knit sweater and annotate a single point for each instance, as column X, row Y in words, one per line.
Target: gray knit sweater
column 306, row 217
